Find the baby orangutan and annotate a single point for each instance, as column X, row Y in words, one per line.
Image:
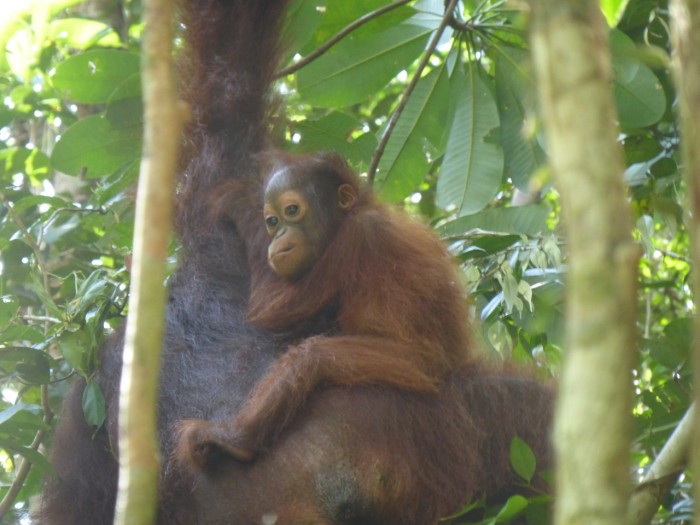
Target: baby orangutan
column 400, row 312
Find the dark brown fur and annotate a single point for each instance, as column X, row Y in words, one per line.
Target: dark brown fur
column 355, row 455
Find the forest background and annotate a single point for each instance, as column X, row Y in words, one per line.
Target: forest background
column 466, row 152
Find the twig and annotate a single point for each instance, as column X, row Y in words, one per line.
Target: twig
column 407, row 93
column 338, row 37
column 671, row 254
column 41, row 319
column 458, row 24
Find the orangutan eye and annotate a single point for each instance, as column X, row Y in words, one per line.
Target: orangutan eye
column 271, row 221
column 291, row 210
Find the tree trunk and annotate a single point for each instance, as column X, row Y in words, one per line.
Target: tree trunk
column 594, row 414
column 685, row 25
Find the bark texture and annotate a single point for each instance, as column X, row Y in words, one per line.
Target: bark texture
column 593, row 421
column 685, row 26
column 139, row 462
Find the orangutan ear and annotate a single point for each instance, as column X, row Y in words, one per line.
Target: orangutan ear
column 347, row 197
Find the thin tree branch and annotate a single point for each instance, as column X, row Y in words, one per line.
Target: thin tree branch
column 663, row 473
column 41, row 319
column 374, row 164
column 672, row 255
column 139, row 460
column 457, row 23
column 20, row 477
column 338, row 37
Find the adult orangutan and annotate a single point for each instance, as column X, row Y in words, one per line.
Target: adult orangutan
column 361, row 454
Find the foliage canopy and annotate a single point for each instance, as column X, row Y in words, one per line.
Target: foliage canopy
column 466, row 152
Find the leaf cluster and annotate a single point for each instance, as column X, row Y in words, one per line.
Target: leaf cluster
column 466, row 153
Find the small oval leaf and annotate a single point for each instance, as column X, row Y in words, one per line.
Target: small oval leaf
column 514, row 507
column 94, row 407
column 522, row 459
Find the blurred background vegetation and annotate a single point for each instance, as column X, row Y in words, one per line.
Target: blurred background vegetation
column 466, row 153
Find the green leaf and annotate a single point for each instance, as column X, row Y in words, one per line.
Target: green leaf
column 54, row 231
column 490, row 244
column 523, row 220
column 125, row 114
column 664, row 167
column 31, row 162
column 75, row 348
column 478, row 504
column 639, row 95
column 6, row 116
column 522, row 459
column 129, row 89
column 31, row 201
column 613, row 10
column 36, row 370
column 360, row 65
column 473, row 165
column 28, row 415
column 94, row 407
column 339, row 15
column 513, row 508
column 509, row 285
column 625, row 59
column 95, row 146
column 303, row 18
column 334, row 132
column 34, row 457
column 421, row 128
column 515, row 96
column 93, row 76
column 674, row 347
column 9, row 305
column 80, row 33
column 640, row 148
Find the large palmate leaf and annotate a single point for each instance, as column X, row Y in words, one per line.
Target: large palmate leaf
column 473, row 165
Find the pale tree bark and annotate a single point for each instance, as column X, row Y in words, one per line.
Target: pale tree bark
column 139, row 461
column 685, row 32
column 663, row 473
column 593, row 420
